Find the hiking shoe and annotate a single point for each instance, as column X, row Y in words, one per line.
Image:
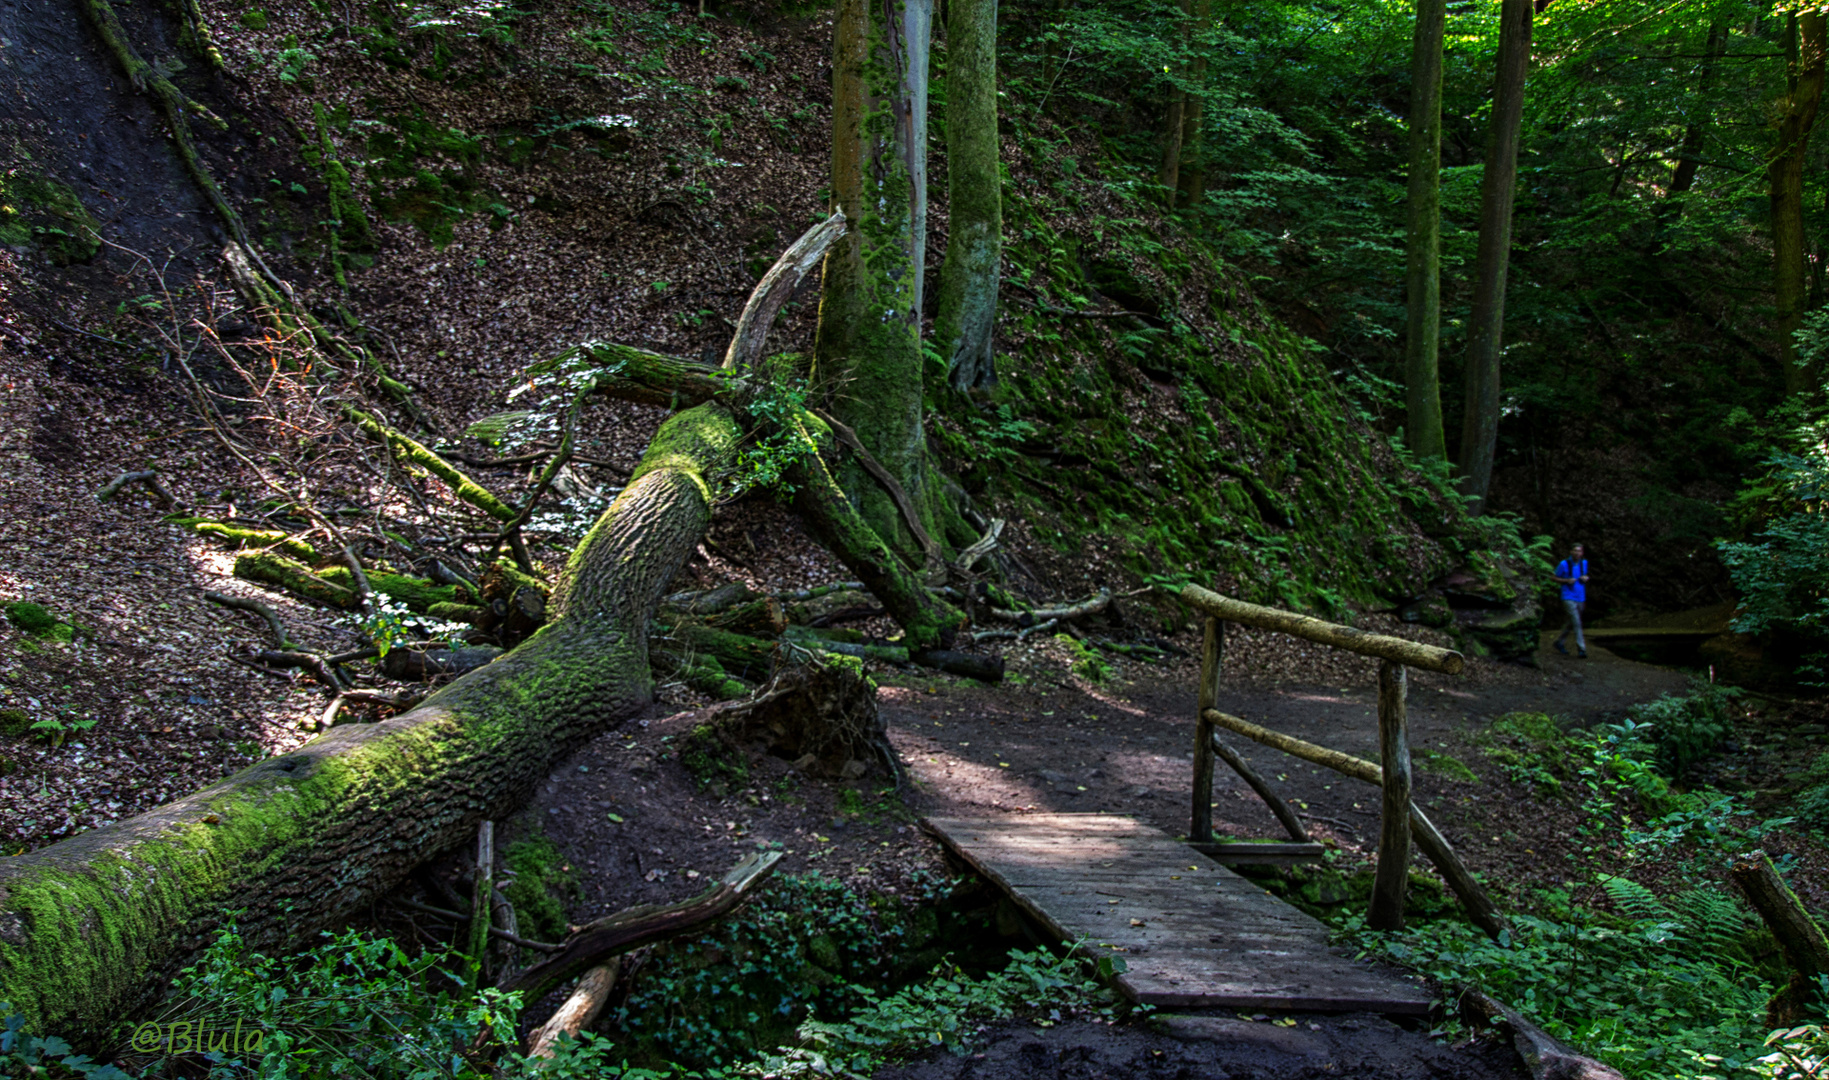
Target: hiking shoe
column 1582, row 655
column 1560, row 648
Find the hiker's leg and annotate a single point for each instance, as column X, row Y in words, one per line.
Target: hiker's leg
column 1581, row 643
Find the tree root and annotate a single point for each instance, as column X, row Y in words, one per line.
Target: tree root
column 280, row 641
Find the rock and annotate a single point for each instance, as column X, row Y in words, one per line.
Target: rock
column 1506, row 633
column 854, row 769
column 1053, row 777
column 1430, row 610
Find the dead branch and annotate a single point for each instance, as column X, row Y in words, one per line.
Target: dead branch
column 931, row 550
column 1059, row 614
column 626, row 930
column 773, row 291
column 578, row 1011
column 460, row 917
column 1546, row 1058
column 148, row 477
column 982, row 547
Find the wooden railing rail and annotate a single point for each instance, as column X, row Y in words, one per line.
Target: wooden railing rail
column 1411, row 653
column 1400, row 822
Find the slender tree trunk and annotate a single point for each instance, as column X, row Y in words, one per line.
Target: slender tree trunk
column 1785, row 175
column 1168, row 173
column 1480, row 424
column 1689, row 155
column 1423, row 244
column 1193, row 179
column 974, row 184
column 868, row 362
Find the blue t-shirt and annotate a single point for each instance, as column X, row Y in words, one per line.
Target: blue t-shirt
column 1578, row 591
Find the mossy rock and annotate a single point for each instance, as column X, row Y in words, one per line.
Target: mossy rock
column 823, row 951
column 45, row 213
column 1429, row 610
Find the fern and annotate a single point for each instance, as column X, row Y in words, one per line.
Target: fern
column 1705, row 919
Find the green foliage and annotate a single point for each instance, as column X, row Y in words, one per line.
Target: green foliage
column 945, row 1010
column 806, row 942
column 1687, row 728
column 778, row 410
column 1782, row 573
column 30, row 618
column 708, row 755
column 1667, row 984
column 541, row 887
column 25, row 1054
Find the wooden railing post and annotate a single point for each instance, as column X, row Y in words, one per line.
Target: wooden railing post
column 1212, row 652
column 1393, row 877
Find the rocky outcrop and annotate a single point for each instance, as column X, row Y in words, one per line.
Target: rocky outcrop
column 1492, row 614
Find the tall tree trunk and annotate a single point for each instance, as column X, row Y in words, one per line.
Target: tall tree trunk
column 974, row 189
column 1193, row 179
column 868, row 356
column 1480, row 424
column 1423, row 241
column 1689, row 154
column 1174, row 124
column 1785, row 175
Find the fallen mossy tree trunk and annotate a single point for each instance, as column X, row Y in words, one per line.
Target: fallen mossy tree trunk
column 92, row 928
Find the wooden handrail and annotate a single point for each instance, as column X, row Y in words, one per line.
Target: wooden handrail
column 1480, row 908
column 1413, row 653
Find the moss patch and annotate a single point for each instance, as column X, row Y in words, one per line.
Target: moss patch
column 46, row 214
column 15, row 722
column 1438, row 764
column 542, row 885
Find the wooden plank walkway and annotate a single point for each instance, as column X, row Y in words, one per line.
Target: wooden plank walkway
column 1193, row 934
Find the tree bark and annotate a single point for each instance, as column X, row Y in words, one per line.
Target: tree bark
column 967, row 315
column 1785, row 178
column 1800, row 939
column 92, row 928
column 1193, row 180
column 1486, row 326
column 868, row 356
column 1168, row 173
column 1392, row 881
column 1423, row 240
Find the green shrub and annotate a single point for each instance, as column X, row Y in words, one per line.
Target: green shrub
column 1689, row 728
column 1087, row 662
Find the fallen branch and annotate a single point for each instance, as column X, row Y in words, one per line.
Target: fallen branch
column 631, row 929
column 312, row 662
column 766, row 300
column 1059, row 614
column 412, row 450
column 1800, row 939
column 983, row 546
column 1546, row 1058
column 579, row 1010
column 146, row 476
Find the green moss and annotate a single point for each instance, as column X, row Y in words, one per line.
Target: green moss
column 542, row 886
column 1438, row 764
column 46, row 214
column 452, row 612
column 15, row 722
column 710, row 757
column 242, row 536
column 255, row 19
column 270, row 568
column 417, row 595
column 30, row 618
column 1087, row 663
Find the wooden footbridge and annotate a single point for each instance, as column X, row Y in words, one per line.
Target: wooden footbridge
column 1192, row 933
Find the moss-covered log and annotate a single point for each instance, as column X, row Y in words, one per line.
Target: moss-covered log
column 336, row 586
column 413, row 452
column 92, row 928
column 738, row 654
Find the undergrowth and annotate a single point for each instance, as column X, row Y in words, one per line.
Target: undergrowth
column 1665, row 983
column 361, row 1006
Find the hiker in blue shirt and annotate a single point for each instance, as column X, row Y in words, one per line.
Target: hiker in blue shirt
column 1572, row 574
